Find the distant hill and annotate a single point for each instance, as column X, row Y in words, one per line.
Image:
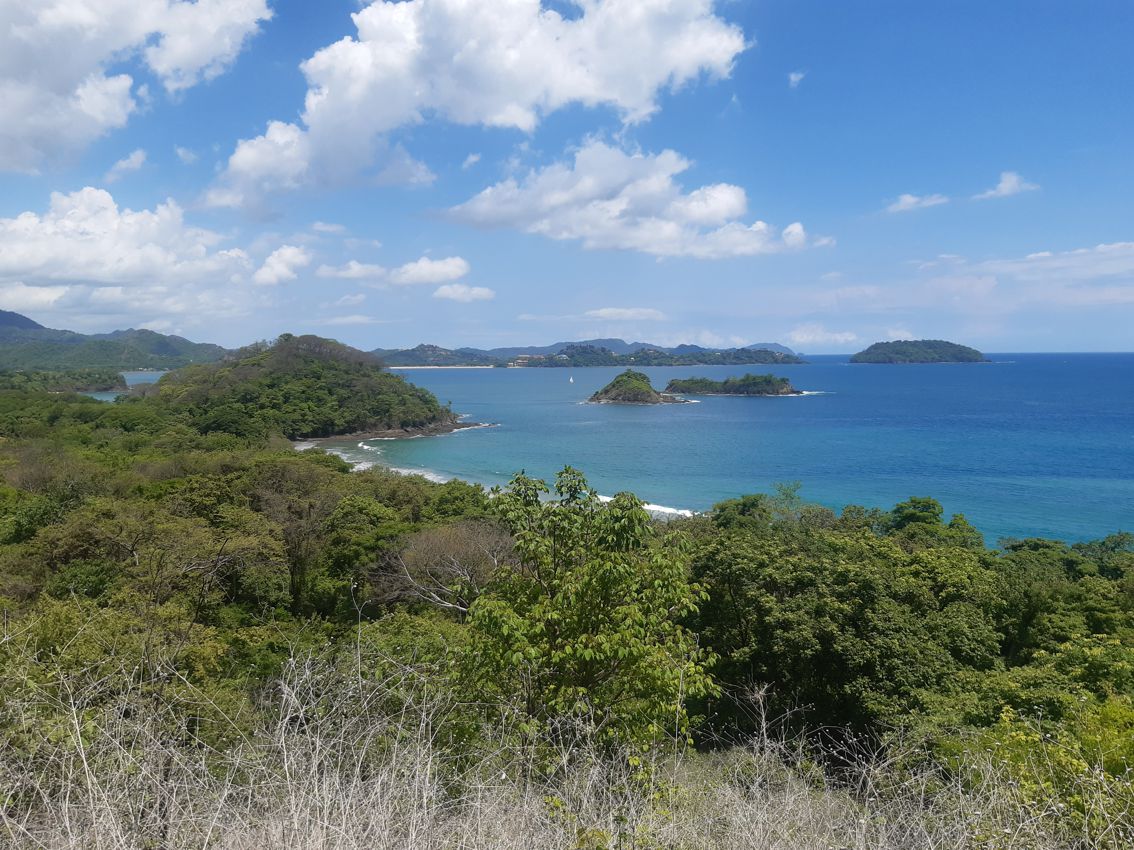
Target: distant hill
column 582, row 353
column 918, row 351
column 433, row 355
column 25, row 344
column 9, row 319
column 300, row 386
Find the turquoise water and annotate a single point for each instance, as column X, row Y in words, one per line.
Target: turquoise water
column 1031, row 444
column 132, row 379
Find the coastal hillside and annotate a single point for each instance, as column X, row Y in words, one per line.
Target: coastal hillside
column 577, row 356
column 631, row 388
column 747, row 385
column 26, row 344
column 300, row 386
column 918, row 351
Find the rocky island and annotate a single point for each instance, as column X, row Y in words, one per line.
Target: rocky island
column 918, row 351
column 632, row 388
column 747, row 385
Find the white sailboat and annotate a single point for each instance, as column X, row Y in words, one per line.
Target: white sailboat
column 570, row 379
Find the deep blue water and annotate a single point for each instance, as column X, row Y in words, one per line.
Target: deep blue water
column 1030, row 444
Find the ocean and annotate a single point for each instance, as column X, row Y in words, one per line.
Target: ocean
column 1027, row 445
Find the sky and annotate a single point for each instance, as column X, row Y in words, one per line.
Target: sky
column 509, row 172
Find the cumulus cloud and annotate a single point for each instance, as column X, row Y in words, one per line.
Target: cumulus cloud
column 125, row 165
column 470, row 160
column 795, row 78
column 327, row 227
column 1010, row 184
column 611, row 199
column 187, row 156
column 504, row 64
column 417, row 272
column 464, row 292
column 57, row 94
column 813, row 333
column 426, row 270
column 85, row 237
column 907, row 203
column 647, row 314
column 282, row 264
column 353, row 270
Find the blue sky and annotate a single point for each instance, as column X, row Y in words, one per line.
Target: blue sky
column 500, row 172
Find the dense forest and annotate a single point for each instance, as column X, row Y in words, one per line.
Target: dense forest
column 210, row 639
column 71, row 380
column 918, row 351
column 300, row 386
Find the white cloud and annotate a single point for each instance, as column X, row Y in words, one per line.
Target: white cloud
column 354, row 319
column 813, row 333
column 85, row 238
column 470, row 160
column 906, row 203
column 899, row 334
column 187, row 156
column 426, row 270
column 282, row 264
column 353, row 270
column 327, row 227
column 349, row 300
column 56, row 94
column 501, row 64
column 1081, row 264
column 610, row 199
column 647, row 314
column 19, row 296
column 1010, row 184
column 795, row 78
column 463, row 292
column 125, row 165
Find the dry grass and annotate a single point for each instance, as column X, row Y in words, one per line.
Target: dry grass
column 352, row 764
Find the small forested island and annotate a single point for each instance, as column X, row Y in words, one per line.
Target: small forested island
column 301, row 387
column 69, row 381
column 632, row 388
column 918, row 351
column 748, row 385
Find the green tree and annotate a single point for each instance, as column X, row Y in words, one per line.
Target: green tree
column 587, row 624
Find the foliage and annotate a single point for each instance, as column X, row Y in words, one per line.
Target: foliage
column 587, row 624
column 630, row 387
column 74, row 380
column 592, row 355
column 300, row 387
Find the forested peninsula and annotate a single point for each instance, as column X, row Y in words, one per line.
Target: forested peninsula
column 747, row 385
column 300, row 387
column 918, row 351
column 208, row 636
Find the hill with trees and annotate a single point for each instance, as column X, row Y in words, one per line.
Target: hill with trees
column 300, row 386
column 747, row 385
column 77, row 380
column 27, row 345
column 631, row 388
column 918, row 351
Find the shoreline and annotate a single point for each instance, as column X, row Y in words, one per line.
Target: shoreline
column 436, row 430
column 440, row 367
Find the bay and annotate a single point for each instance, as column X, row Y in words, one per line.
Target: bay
column 1028, row 445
